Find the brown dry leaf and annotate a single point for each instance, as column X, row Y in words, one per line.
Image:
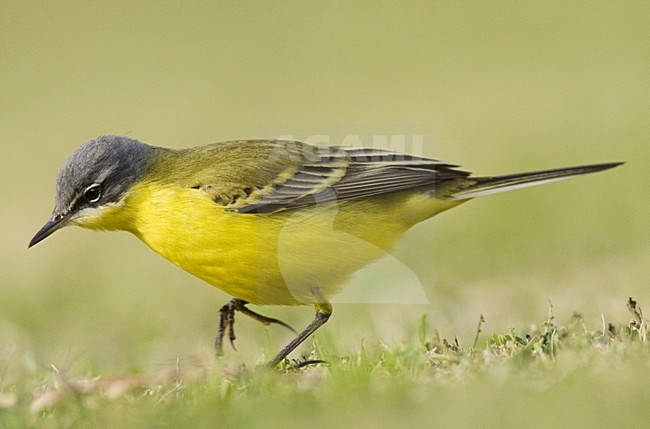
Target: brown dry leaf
column 8, row 400
column 45, row 400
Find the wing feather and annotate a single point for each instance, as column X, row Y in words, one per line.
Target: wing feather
column 336, row 173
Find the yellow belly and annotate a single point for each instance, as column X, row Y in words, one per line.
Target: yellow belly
column 269, row 258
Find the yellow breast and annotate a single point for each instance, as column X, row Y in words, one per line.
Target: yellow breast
column 270, row 258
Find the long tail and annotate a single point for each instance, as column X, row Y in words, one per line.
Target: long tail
column 491, row 185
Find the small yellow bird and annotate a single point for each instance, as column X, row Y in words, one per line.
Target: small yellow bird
column 270, row 222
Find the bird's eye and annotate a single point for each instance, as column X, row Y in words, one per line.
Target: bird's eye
column 93, row 193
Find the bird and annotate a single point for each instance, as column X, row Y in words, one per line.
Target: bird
column 269, row 222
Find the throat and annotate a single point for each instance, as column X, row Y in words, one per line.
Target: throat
column 109, row 217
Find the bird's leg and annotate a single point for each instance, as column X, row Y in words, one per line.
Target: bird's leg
column 227, row 322
column 266, row 321
column 323, row 313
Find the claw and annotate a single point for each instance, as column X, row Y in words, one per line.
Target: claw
column 227, row 322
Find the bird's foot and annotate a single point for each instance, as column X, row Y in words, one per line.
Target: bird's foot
column 227, row 322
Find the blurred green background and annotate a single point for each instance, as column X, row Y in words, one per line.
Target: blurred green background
column 499, row 87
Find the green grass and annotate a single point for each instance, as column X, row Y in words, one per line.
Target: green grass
column 557, row 372
column 498, row 87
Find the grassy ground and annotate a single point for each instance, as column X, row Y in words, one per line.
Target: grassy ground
column 555, row 373
column 97, row 331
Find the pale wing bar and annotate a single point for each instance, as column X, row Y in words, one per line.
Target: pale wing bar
column 336, row 173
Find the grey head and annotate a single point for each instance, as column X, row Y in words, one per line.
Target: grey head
column 98, row 173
